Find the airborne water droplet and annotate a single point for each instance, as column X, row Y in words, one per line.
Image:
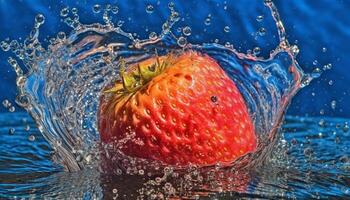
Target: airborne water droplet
column 12, row 131
column 31, row 138
column 115, row 9
column 333, row 104
column 207, row 21
column 182, row 41
column 259, row 18
column 152, row 36
column 6, row 103
column 262, row 31
column 186, row 31
column 12, row 109
column 96, row 8
column 4, row 46
column 40, row 19
column 256, row 51
column 64, row 12
column 149, row 9
column 227, row 29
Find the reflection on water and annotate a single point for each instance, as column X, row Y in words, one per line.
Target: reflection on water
column 310, row 161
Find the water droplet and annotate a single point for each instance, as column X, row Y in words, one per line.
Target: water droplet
column 295, row 50
column 6, row 103
column 12, row 131
column 182, row 41
column 259, row 18
column 316, row 72
column 324, row 49
column 207, row 21
column 74, row 10
column 331, row 82
column 315, row 62
column 152, row 36
column 64, row 12
column 27, row 127
column 12, row 109
column 346, row 127
column 262, row 31
column 4, row 46
column 321, row 112
column 227, row 29
column 61, row 35
column 327, row 67
column 115, row 9
column 322, row 123
column 149, row 9
column 186, row 31
column 39, row 19
column 96, row 8
column 256, row 51
column 171, row 5
column 22, row 100
column 333, row 104
column 31, row 138
column 115, row 190
column 228, row 45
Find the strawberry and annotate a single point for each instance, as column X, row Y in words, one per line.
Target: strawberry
column 178, row 109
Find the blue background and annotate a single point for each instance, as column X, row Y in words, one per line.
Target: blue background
column 311, row 24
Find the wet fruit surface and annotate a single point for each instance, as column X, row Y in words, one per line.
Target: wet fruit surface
column 190, row 111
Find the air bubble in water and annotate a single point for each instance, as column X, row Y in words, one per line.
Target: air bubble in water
column 182, row 41
column 262, row 31
column 227, row 29
column 12, row 131
column 31, row 138
column 96, row 8
column 115, row 190
column 186, row 31
column 324, row 49
column 259, row 18
column 149, row 9
column 64, row 12
column 331, row 82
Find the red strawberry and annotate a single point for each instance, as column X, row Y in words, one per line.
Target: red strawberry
column 181, row 109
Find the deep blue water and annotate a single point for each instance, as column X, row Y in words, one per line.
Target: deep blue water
column 311, row 161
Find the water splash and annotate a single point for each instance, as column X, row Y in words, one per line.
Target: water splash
column 60, row 86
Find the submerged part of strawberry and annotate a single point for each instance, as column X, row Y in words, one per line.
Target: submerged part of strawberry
column 178, row 109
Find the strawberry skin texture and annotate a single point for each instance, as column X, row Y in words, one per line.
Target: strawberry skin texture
column 190, row 113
